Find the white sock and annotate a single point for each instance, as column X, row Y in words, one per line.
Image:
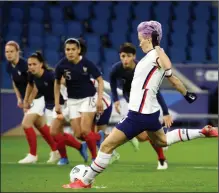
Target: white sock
column 183, row 135
column 97, row 167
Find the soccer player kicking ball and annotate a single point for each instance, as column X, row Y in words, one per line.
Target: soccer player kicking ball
column 144, row 112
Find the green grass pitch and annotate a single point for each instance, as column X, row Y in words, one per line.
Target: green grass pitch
column 193, row 167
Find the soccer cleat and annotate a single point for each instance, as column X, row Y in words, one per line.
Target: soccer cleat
column 162, row 164
column 209, row 131
column 54, row 156
column 77, row 185
column 63, row 161
column 83, row 151
column 29, row 159
column 134, row 141
column 165, row 148
column 102, row 135
column 115, row 157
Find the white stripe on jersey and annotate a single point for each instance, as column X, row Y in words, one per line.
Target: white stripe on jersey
column 63, row 91
column 146, row 82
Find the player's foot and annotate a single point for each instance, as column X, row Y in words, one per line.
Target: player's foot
column 63, row 161
column 134, row 141
column 29, row 159
column 101, row 138
column 165, row 148
column 83, row 151
column 54, row 157
column 209, row 131
column 162, row 164
column 115, row 157
column 77, row 185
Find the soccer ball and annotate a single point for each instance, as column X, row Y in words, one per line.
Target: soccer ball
column 78, row 172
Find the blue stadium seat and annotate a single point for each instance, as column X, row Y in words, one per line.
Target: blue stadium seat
column 180, row 26
column 134, row 39
column 36, row 14
column 199, row 39
column 41, row 4
column 52, row 42
column 10, row 37
column 215, row 26
column 182, row 10
column 16, row 14
column 92, row 41
column 122, row 10
column 82, row 10
column 142, row 11
column 66, row 3
column 116, row 26
column 27, row 51
column 162, row 11
column 35, row 42
column 102, row 11
column 15, row 28
column 58, row 29
column 52, row 57
column 93, row 56
column 198, row 54
column 177, row 54
column 99, row 27
column 139, row 53
column 36, row 29
column 202, row 11
column 135, row 24
column 214, row 37
column 74, row 29
column 179, row 39
column 214, row 54
column 56, row 14
column 111, row 55
column 117, row 39
column 200, row 27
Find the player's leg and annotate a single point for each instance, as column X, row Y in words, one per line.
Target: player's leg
column 181, row 135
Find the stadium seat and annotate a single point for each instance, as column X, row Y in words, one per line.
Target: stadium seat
column 36, row 14
column 52, row 57
column 117, row 39
column 142, row 11
column 66, row 4
column 215, row 26
column 56, row 14
column 134, row 39
column 35, row 42
column 182, row 10
column 116, row 26
column 52, row 42
column 177, row 54
column 178, row 38
column 36, row 29
column 99, row 27
column 200, row 27
column 102, row 10
column 58, row 29
column 92, row 41
column 93, row 56
column 214, row 54
column 202, row 11
column 162, row 11
column 122, row 10
column 82, row 10
column 15, row 28
column 41, row 4
column 198, row 54
column 199, row 39
column 16, row 14
column 214, row 38
column 27, row 51
column 180, row 26
column 10, row 37
column 111, row 55
column 74, row 29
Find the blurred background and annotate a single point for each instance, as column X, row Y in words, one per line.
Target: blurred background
column 190, row 38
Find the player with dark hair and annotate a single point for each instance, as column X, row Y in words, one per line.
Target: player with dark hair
column 83, row 100
column 18, row 70
column 123, row 72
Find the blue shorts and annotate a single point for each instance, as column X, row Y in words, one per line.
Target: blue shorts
column 105, row 117
column 135, row 123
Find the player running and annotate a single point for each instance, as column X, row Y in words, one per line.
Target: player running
column 144, row 111
column 18, row 70
column 123, row 72
column 82, row 95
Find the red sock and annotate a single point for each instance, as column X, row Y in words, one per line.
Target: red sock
column 97, row 136
column 45, row 132
column 159, row 151
column 71, row 141
column 91, row 143
column 32, row 140
column 60, row 140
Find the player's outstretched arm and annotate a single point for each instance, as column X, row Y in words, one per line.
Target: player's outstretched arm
column 57, row 86
column 18, row 95
column 33, row 94
column 165, row 62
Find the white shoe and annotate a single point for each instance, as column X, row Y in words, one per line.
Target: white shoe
column 162, row 165
column 29, row 159
column 54, row 156
column 165, row 148
column 134, row 141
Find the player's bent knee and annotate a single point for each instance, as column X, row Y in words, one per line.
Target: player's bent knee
column 107, row 147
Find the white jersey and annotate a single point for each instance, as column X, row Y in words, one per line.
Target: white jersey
column 146, row 82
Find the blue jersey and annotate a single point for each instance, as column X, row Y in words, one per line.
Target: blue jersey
column 124, row 77
column 77, row 77
column 45, row 86
column 19, row 75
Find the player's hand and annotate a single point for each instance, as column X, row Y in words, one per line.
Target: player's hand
column 190, row 97
column 168, row 120
column 99, row 106
column 117, row 107
column 26, row 106
column 58, row 109
column 155, row 38
column 20, row 103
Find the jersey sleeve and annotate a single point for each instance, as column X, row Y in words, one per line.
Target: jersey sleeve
column 58, row 72
column 113, row 83
column 93, row 70
column 162, row 103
